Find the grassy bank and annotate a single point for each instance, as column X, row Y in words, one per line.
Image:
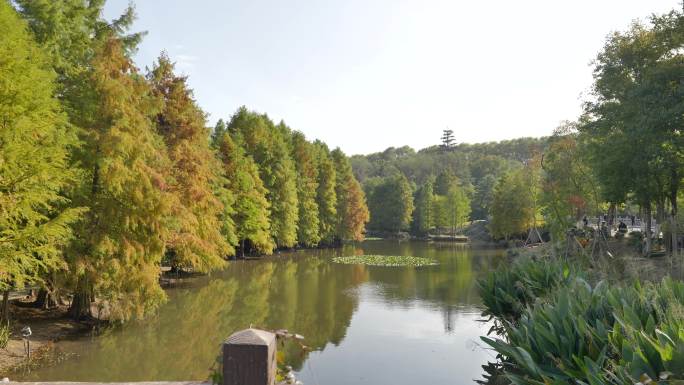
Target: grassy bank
column 563, row 322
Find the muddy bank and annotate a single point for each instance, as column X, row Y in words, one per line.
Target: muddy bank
column 48, row 328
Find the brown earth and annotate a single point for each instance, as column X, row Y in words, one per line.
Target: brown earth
column 48, row 328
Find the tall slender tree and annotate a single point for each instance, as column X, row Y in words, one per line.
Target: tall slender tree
column 445, row 180
column 251, row 208
column 423, row 217
column 352, row 212
column 35, row 143
column 308, row 227
column 326, row 195
column 267, row 146
column 457, row 206
column 196, row 240
column 119, row 246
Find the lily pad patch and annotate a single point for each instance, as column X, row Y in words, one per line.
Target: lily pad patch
column 385, row 260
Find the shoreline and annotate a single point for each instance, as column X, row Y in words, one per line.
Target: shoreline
column 49, row 327
column 52, row 326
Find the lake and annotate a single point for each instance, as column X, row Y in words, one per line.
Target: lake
column 366, row 325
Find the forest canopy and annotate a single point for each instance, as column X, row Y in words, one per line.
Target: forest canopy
column 439, row 188
column 623, row 154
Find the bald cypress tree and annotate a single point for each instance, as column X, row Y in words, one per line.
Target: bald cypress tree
column 196, row 240
column 267, row 146
column 303, row 153
column 35, row 142
column 122, row 163
column 352, row 212
column 120, row 244
column 70, row 31
column 251, row 208
column 326, row 194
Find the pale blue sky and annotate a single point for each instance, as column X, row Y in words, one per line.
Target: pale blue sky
column 368, row 74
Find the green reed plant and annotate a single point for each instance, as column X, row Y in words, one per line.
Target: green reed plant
column 652, row 349
column 606, row 334
column 509, row 290
column 556, row 341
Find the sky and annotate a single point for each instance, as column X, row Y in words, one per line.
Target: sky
column 365, row 75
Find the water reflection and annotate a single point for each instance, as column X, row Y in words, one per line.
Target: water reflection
column 346, row 312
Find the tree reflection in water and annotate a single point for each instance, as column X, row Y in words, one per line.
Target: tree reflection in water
column 301, row 291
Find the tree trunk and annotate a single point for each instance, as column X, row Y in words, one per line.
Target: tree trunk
column 4, row 311
column 80, row 305
column 611, row 215
column 673, row 217
column 660, row 210
column 45, row 300
column 673, row 228
column 648, row 234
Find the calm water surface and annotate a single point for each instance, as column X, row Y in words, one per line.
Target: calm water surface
column 367, row 325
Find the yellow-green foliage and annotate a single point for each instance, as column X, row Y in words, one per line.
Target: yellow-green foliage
column 514, row 208
column 251, row 208
column 266, row 145
column 452, row 209
column 134, row 152
column 121, row 244
column 308, row 227
column 352, row 212
column 326, row 196
column 35, row 141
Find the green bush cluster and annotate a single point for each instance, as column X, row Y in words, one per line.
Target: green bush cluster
column 577, row 333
